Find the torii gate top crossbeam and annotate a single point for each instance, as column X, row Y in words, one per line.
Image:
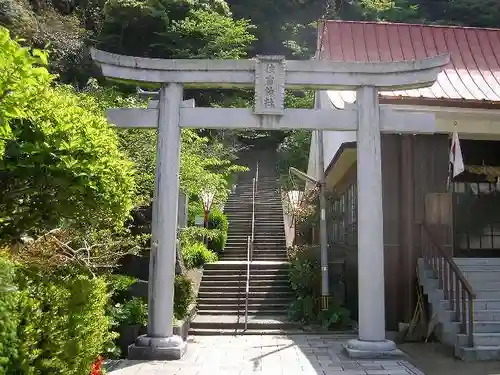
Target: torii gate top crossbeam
column 314, row 74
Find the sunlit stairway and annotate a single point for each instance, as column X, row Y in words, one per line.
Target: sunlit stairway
column 222, row 295
column 483, row 275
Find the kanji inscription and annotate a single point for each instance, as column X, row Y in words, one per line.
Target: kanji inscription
column 269, row 85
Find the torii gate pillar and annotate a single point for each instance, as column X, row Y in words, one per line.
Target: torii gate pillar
column 270, row 75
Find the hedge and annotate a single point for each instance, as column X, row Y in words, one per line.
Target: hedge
column 51, row 324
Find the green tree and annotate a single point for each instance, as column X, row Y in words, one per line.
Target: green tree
column 55, row 26
column 60, row 161
column 173, row 29
column 204, row 162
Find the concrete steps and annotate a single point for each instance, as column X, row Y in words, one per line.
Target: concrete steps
column 483, row 274
column 222, row 294
column 235, row 324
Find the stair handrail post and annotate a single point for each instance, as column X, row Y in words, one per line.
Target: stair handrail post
column 461, row 295
column 247, row 289
column 257, row 175
column 254, row 183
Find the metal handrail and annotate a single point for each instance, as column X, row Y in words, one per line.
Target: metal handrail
column 456, row 288
column 257, row 175
column 250, row 241
column 254, row 183
column 247, row 289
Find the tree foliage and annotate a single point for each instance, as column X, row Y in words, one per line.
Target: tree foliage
column 173, row 29
column 60, row 160
column 204, row 164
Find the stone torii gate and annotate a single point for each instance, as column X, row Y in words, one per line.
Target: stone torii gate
column 270, row 75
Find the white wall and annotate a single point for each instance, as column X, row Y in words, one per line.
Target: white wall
column 332, row 140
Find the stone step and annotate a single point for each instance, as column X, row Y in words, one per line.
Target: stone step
column 477, row 261
column 485, row 315
column 482, row 339
column 486, row 326
column 283, row 283
column 240, row 298
column 487, row 304
column 267, row 196
column 258, row 220
column 480, row 285
column 240, row 258
column 244, row 234
column 274, row 322
column 256, row 254
column 270, row 250
column 254, row 276
column 240, row 247
column 271, row 296
column 248, row 206
column 240, row 311
column 268, row 271
column 262, row 231
column 263, row 331
column 259, row 198
column 260, row 186
column 235, row 258
column 280, row 253
column 262, row 226
column 268, row 254
column 258, row 216
column 237, row 275
column 482, row 276
column 262, row 289
column 241, row 305
column 257, row 240
column 243, row 265
column 258, row 236
column 487, row 293
column 479, row 353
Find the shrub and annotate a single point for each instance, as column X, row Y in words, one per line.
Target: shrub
column 183, row 296
column 196, row 255
column 59, row 158
column 131, row 312
column 218, row 221
column 305, row 280
column 61, row 323
column 8, row 316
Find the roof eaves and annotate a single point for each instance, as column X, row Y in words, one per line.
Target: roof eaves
column 345, row 146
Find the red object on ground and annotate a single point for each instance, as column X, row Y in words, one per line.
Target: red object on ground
column 97, row 366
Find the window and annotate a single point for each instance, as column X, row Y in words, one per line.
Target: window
column 490, row 236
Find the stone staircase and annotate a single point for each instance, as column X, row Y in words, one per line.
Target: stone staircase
column 483, row 274
column 222, row 294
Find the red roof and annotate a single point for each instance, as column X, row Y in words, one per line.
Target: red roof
column 472, row 74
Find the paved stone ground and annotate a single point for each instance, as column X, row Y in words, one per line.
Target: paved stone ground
column 266, row 355
column 437, row 359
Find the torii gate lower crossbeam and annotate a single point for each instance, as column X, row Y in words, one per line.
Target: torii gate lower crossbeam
column 270, row 75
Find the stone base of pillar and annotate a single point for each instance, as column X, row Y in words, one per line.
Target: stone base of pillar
column 157, row 348
column 358, row 349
